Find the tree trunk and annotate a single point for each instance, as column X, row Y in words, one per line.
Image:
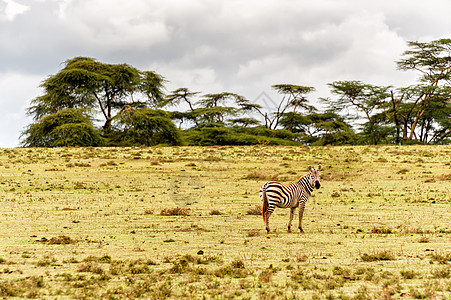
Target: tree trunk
column 107, row 126
column 415, row 123
column 405, row 128
column 395, row 118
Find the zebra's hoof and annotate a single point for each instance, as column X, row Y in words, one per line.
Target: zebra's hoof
column 289, row 231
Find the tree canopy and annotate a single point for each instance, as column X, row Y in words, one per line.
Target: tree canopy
column 146, row 127
column 90, row 103
column 69, row 127
column 105, row 88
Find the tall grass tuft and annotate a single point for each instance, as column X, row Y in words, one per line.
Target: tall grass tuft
column 176, row 211
column 381, row 255
column 257, row 175
column 254, row 211
column 383, row 230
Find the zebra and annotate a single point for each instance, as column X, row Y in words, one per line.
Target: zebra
column 292, row 195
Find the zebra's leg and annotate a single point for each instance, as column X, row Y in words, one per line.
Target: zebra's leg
column 292, row 209
column 267, row 214
column 301, row 214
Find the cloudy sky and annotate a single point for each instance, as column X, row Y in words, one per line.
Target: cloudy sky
column 240, row 46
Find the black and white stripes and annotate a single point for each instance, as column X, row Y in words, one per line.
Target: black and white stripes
column 292, row 195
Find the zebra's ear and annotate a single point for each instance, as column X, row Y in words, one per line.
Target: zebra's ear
column 309, row 168
column 319, row 167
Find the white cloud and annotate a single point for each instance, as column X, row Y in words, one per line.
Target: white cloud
column 196, row 80
column 9, row 9
column 115, row 24
column 17, row 90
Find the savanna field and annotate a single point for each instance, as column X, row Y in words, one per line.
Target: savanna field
column 185, row 222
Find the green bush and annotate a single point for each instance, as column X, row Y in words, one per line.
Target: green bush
column 210, row 134
column 146, row 127
column 70, row 127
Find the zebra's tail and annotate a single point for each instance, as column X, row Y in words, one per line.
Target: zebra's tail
column 265, row 202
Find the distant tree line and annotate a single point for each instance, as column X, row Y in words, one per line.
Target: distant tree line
column 89, row 103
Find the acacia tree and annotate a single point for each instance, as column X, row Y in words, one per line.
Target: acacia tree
column 181, row 95
column 320, row 128
column 435, row 123
column 293, row 96
column 418, row 111
column 178, row 96
column 417, row 117
column 433, row 63
column 217, row 108
column 149, row 127
column 211, row 108
column 105, row 88
column 69, row 127
column 362, row 98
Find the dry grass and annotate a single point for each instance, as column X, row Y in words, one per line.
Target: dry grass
column 185, row 222
column 256, row 210
column 383, row 230
column 381, row 255
column 176, row 211
column 259, row 175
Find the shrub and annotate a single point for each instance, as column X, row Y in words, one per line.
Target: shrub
column 252, row 233
column 90, row 267
column 59, row 240
column 402, row 171
column 209, row 134
column 70, row 127
column 176, row 211
column 22, row 288
column 301, row 257
column 441, row 259
column 261, row 176
column 102, row 259
column 238, row 264
column 377, row 230
column 423, row 239
column 408, row 274
column 215, row 212
column 266, row 274
column 236, row 269
column 382, row 255
column 254, row 211
column 147, row 127
column 181, row 266
column 443, row 272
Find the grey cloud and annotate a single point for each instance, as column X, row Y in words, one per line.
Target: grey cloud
column 238, row 46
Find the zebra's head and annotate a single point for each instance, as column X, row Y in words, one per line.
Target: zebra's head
column 314, row 177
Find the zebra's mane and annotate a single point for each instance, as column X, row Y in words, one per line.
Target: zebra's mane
column 302, row 178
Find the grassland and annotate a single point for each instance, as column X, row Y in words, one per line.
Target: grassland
column 184, row 222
